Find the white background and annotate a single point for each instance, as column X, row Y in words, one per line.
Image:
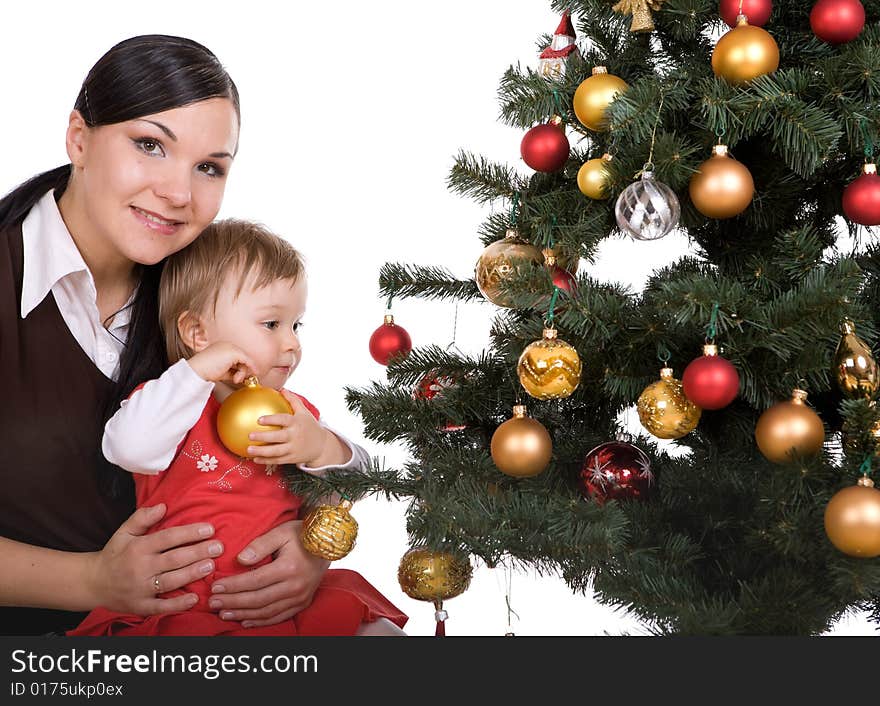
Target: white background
column 351, row 117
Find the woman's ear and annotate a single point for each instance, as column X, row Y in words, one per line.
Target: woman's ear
column 191, row 329
column 77, row 138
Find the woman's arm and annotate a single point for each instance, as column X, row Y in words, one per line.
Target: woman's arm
column 120, row 576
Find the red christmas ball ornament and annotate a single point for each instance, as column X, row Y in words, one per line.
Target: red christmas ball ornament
column 837, row 21
column 563, row 279
column 616, row 470
column 432, row 385
column 710, row 381
column 861, row 197
column 389, row 340
column 756, row 11
column 545, row 147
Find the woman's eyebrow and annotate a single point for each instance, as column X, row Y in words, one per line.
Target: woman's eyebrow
column 167, row 131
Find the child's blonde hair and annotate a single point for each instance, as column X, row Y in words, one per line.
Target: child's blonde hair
column 192, row 277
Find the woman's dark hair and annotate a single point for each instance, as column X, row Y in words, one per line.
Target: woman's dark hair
column 139, row 76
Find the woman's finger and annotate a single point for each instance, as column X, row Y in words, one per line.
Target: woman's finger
column 266, row 613
column 139, row 522
column 177, row 536
column 181, row 557
column 255, row 580
column 155, row 606
column 284, row 615
column 178, row 578
column 255, row 600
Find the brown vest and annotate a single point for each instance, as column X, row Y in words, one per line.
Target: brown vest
column 51, row 399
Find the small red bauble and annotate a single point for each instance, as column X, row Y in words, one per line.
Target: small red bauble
column 545, row 147
column 710, row 381
column 429, row 387
column 837, row 21
column 563, row 279
column 389, row 340
column 616, row 470
column 861, row 198
column 756, row 11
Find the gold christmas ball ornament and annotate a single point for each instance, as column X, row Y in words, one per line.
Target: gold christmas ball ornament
column 433, row 576
column 594, row 95
column 789, row 429
column 854, row 366
column 329, row 531
column 521, row 446
column 665, row 411
column 744, row 53
column 852, row 520
column 722, row 187
column 503, row 261
column 593, row 178
column 238, row 415
column 550, row 368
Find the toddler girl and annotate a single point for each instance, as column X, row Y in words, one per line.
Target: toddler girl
column 231, row 305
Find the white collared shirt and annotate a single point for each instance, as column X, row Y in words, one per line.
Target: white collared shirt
column 53, row 263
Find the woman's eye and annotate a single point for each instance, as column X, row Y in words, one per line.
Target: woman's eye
column 150, row 146
column 211, row 169
column 271, row 325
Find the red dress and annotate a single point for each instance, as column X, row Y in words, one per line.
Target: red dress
column 205, row 482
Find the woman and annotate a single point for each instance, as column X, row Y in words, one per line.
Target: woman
column 151, row 140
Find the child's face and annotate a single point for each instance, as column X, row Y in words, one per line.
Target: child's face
column 263, row 323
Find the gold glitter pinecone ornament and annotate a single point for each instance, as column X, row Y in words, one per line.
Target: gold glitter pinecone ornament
column 329, row 531
column 854, row 366
column 503, row 261
column 665, row 411
column 549, row 368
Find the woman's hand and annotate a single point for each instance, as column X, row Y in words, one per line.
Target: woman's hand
column 276, row 591
column 124, row 573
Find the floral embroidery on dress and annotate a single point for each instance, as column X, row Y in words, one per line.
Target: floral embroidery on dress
column 207, row 463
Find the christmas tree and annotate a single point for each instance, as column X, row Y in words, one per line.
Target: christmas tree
column 758, row 146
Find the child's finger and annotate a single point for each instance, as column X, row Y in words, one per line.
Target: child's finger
column 270, row 437
column 294, row 401
column 276, row 420
column 268, row 451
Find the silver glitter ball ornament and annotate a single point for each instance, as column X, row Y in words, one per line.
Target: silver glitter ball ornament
column 647, row 209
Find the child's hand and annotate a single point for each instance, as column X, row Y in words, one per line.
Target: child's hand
column 300, row 440
column 222, row 362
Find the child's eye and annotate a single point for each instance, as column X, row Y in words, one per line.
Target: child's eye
column 150, row 146
column 297, row 326
column 271, row 325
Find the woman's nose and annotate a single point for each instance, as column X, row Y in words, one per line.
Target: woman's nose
column 175, row 187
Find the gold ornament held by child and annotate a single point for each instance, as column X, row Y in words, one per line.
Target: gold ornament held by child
column 665, row 411
column 433, row 576
column 854, row 366
column 239, row 413
column 329, row 531
column 550, row 368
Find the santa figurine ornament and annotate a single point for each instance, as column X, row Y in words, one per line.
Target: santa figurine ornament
column 551, row 63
